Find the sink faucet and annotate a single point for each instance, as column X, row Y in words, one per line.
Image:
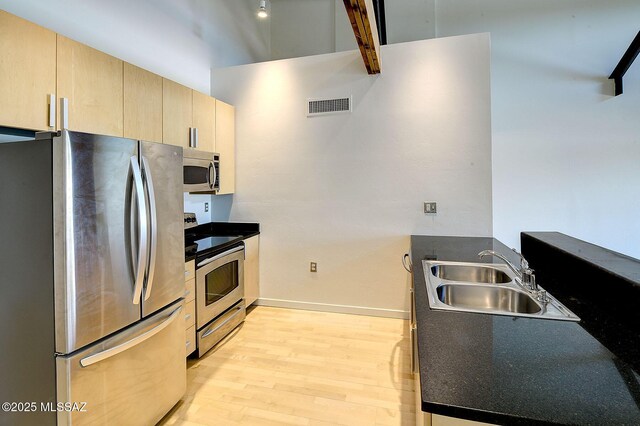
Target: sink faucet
column 527, row 278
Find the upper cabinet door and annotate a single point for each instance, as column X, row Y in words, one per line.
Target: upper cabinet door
column 27, row 73
column 142, row 104
column 177, row 113
column 226, row 146
column 92, row 81
column 204, row 119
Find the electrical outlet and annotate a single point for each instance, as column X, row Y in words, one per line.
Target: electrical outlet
column 430, row 207
column 313, row 267
column 206, row 207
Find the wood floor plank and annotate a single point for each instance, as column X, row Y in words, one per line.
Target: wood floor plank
column 286, row 366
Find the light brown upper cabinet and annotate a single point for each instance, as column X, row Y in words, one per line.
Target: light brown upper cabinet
column 92, row 82
column 204, row 120
column 142, row 104
column 27, row 74
column 226, row 146
column 177, row 113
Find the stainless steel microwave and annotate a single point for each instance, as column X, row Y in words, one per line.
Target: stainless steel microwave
column 201, row 171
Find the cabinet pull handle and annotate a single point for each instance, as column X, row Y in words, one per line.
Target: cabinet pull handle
column 406, row 262
column 52, row 110
column 193, row 136
column 64, row 113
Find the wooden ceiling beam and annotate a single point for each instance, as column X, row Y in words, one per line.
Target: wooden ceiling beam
column 363, row 22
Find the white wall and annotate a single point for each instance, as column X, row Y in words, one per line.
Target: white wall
column 178, row 39
column 565, row 151
column 302, row 27
column 566, row 154
column 309, row 27
column 346, row 190
column 409, row 20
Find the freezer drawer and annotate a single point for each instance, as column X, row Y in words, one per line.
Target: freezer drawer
column 134, row 377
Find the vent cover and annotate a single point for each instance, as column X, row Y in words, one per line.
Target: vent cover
column 328, row 106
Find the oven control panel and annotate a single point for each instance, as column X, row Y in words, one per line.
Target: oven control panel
column 190, row 220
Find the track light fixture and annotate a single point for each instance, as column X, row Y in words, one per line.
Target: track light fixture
column 262, row 9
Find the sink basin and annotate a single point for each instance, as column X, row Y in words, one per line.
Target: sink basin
column 487, row 289
column 471, row 273
column 487, row 298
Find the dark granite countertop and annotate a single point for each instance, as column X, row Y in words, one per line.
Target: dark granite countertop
column 513, row 370
column 224, row 235
column 625, row 267
column 599, row 285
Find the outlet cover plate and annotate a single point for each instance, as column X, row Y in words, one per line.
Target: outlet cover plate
column 430, row 207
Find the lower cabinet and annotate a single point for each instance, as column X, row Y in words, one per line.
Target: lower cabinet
column 438, row 420
column 251, row 269
column 423, row 418
column 427, row 419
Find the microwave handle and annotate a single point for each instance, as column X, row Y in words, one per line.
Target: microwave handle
column 212, row 175
column 223, row 254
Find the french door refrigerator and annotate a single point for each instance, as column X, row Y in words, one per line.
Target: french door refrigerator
column 92, row 252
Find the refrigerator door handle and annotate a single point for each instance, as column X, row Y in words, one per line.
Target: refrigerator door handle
column 153, row 226
column 142, row 230
column 115, row 350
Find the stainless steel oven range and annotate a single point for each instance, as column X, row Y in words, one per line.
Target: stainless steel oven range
column 220, row 305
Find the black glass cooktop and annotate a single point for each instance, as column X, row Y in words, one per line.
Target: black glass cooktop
column 210, row 242
column 205, row 245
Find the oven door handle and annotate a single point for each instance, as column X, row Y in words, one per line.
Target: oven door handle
column 223, row 254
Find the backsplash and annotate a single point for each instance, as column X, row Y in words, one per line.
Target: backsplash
column 219, row 207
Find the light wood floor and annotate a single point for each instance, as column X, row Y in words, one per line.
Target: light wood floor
column 285, row 366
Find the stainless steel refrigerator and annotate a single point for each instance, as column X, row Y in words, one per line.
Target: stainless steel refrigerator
column 91, row 280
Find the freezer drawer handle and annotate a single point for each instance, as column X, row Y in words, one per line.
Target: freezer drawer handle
column 225, row 322
column 226, row 253
column 108, row 353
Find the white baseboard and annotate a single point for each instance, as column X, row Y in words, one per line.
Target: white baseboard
column 325, row 307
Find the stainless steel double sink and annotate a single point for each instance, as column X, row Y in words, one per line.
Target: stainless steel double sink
column 487, row 288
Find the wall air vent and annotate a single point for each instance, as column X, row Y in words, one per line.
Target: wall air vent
column 328, row 106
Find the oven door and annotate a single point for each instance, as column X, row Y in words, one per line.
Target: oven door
column 199, row 175
column 219, row 284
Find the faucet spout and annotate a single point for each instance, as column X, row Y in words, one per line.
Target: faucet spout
column 511, row 266
column 524, row 273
